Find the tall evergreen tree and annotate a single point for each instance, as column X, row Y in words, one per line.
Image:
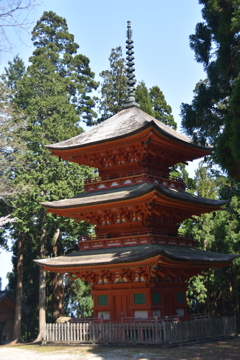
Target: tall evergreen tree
column 78, row 298
column 51, row 37
column 162, row 111
column 217, row 290
column 143, row 99
column 51, row 99
column 114, row 85
column 214, row 115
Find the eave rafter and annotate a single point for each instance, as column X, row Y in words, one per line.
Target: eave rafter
column 150, row 138
column 112, row 153
column 109, row 212
column 179, row 150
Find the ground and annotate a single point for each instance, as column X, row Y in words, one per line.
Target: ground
column 221, row 350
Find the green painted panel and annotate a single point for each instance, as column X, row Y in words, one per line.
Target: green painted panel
column 102, row 299
column 180, row 297
column 139, row 299
column 156, row 298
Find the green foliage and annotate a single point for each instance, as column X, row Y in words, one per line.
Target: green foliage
column 153, row 102
column 14, row 72
column 143, row 98
column 218, row 290
column 51, row 38
column 179, row 172
column 162, row 111
column 50, row 95
column 214, row 115
column 197, row 290
column 113, row 91
column 78, row 299
column 12, row 146
column 114, row 85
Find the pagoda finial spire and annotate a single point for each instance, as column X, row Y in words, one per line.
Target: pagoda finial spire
column 130, row 70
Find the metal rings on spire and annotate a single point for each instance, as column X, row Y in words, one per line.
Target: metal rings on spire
column 130, row 69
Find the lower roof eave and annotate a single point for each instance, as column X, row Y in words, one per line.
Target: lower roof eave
column 162, row 260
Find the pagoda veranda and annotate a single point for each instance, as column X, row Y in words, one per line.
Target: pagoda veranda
column 136, row 263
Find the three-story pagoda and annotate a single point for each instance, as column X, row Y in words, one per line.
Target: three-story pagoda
column 137, row 264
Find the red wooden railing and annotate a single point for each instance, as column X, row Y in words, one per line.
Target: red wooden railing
column 106, row 236
column 133, row 239
column 163, row 179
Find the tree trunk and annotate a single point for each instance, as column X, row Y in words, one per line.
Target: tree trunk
column 58, row 292
column 42, row 291
column 19, row 291
column 208, row 296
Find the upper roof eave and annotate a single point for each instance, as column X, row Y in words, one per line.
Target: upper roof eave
column 127, row 122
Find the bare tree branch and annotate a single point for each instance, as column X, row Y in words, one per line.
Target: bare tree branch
column 6, row 219
column 14, row 15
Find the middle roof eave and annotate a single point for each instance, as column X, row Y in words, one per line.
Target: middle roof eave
column 127, row 193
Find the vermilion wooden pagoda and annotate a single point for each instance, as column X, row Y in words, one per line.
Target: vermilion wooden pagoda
column 137, row 264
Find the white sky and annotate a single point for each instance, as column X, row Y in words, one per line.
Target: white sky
column 161, row 32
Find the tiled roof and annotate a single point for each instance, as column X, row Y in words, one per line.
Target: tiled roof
column 126, row 122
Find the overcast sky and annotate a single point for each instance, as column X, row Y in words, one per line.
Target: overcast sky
column 161, row 32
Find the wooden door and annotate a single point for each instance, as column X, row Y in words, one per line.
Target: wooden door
column 169, row 304
column 120, row 305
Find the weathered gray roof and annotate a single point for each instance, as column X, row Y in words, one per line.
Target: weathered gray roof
column 125, row 123
column 119, row 255
column 129, row 192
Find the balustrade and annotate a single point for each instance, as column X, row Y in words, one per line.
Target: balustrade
column 133, row 177
column 134, row 238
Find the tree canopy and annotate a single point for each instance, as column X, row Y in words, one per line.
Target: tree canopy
column 216, row 290
column 52, row 39
column 214, row 114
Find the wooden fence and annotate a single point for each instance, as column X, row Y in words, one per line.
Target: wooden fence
column 133, row 333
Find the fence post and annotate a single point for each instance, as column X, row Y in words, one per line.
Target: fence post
column 68, row 337
column 164, row 332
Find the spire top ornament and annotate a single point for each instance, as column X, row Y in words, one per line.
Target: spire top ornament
column 130, row 70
